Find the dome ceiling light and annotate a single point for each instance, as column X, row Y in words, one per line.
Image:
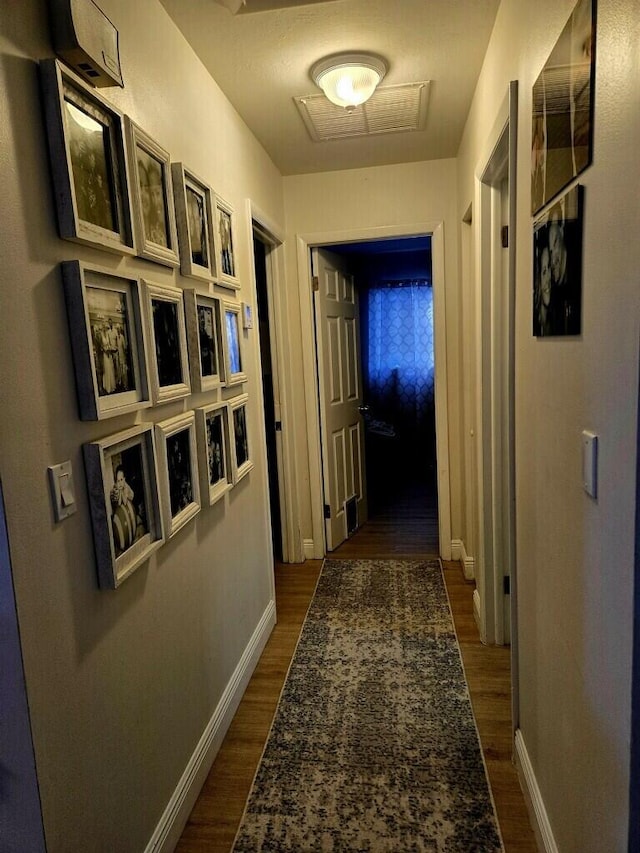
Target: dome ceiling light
column 349, row 79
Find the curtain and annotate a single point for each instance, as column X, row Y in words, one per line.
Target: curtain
column 400, row 362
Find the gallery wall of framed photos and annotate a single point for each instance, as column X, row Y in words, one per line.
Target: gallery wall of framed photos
column 138, row 341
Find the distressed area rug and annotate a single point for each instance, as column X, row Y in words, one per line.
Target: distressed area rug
column 374, row 746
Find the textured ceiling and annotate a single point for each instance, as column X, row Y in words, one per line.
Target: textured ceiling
column 261, row 57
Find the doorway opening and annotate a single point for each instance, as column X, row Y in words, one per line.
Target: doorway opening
column 271, row 421
column 393, row 282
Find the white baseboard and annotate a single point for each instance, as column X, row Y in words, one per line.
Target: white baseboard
column 456, row 548
column 533, row 798
column 309, row 549
column 459, row 553
column 176, row 814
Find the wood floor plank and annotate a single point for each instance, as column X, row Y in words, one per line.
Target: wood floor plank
column 219, row 808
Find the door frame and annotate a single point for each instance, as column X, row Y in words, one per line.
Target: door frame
column 495, row 360
column 272, row 236
column 316, row 548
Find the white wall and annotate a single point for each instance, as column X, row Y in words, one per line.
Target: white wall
column 121, row 684
column 574, row 554
column 362, row 200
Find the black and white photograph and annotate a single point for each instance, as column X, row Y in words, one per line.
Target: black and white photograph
column 110, row 337
column 215, row 447
column 197, row 220
column 557, row 272
column 108, row 341
column 128, row 506
column 213, row 441
column 124, row 501
column 227, row 275
column 156, row 238
column 562, row 111
column 91, row 166
column 87, row 151
column 178, row 463
column 240, row 435
column 226, row 243
column 193, row 207
column 241, row 445
column 203, row 333
column 152, row 193
column 169, row 369
column 167, row 349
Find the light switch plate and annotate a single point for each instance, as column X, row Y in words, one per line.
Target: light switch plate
column 63, row 490
column 590, row 463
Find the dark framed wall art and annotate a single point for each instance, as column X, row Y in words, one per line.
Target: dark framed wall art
column 563, row 108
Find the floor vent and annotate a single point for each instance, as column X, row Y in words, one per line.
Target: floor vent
column 391, row 109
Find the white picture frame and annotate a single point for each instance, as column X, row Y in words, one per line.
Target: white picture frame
column 225, row 244
column 108, row 341
column 241, row 459
column 166, row 331
column 154, row 219
column 89, row 165
column 204, row 337
column 178, row 471
column 194, row 216
column 122, row 481
column 216, row 470
column 233, row 343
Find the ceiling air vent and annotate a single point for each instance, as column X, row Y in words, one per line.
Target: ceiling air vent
column 391, row 109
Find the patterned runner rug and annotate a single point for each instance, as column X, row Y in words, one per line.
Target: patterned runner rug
column 374, row 746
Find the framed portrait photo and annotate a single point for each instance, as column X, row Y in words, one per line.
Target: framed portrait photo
column 204, row 338
column 562, row 108
column 156, row 238
column 227, row 274
column 216, row 472
column 557, row 267
column 232, row 337
column 168, row 362
column 122, row 479
column 193, row 199
column 108, row 341
column 88, row 162
column 178, row 471
column 240, row 445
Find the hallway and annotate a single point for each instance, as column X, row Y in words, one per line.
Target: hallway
column 393, row 532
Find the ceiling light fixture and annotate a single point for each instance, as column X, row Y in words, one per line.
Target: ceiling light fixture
column 349, row 79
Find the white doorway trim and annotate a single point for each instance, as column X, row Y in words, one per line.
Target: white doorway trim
column 261, row 226
column 305, row 242
column 495, row 359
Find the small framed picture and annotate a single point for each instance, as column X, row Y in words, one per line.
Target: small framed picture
column 122, row 480
column 204, row 339
column 178, row 471
column 108, row 341
column 227, row 274
column 154, row 221
column 169, row 364
column 241, row 456
column 216, row 475
column 232, row 344
column 195, row 224
column 88, row 162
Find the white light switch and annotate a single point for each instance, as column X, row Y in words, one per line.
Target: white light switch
column 62, row 490
column 590, row 463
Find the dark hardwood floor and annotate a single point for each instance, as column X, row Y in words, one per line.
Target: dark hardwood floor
column 405, row 528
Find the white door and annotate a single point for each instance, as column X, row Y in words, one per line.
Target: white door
column 340, row 379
